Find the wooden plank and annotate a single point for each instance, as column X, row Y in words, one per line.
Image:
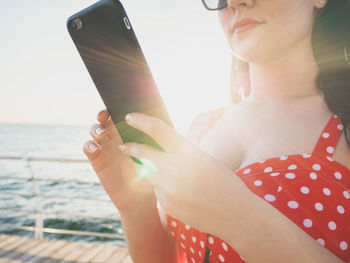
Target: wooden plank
column 60, row 254
column 80, row 249
column 23, row 257
column 16, row 249
column 103, row 255
column 90, row 254
column 45, row 254
column 12, row 246
column 118, row 256
column 20, row 251
column 8, row 241
column 127, row 260
column 3, row 237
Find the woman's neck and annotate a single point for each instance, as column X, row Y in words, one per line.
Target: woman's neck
column 286, row 78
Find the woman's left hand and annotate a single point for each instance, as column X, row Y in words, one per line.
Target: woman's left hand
column 186, row 180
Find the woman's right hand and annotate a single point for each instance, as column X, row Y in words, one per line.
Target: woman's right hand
column 116, row 172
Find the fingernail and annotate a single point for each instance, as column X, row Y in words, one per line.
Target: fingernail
column 99, row 131
column 92, row 148
column 129, row 117
column 122, row 147
column 100, row 113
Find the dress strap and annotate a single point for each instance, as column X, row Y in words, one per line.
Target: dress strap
column 329, row 137
column 208, row 121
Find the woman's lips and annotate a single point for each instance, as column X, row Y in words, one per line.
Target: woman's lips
column 246, row 27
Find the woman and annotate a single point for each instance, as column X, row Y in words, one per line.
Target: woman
column 266, row 179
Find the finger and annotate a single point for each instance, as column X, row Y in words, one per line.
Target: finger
column 107, row 123
column 161, row 132
column 91, row 150
column 98, row 133
column 149, row 156
column 103, row 116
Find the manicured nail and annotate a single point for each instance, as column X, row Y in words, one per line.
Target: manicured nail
column 99, row 131
column 129, row 117
column 92, row 148
column 122, row 147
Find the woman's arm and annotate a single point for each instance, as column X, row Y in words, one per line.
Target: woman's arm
column 147, row 237
column 260, row 233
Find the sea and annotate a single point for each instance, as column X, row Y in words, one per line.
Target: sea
column 66, row 206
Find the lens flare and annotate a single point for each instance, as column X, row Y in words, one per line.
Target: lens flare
column 146, row 169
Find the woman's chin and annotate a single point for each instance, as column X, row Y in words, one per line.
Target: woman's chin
column 251, row 54
column 246, row 55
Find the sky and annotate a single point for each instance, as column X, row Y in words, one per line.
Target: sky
column 44, row 81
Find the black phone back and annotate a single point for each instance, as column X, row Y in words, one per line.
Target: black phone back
column 106, row 42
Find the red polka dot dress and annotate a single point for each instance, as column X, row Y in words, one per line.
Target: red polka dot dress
column 312, row 190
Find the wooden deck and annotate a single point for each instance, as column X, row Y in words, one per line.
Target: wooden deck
column 17, row 249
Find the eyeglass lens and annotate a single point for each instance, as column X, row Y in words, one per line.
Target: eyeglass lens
column 215, row 4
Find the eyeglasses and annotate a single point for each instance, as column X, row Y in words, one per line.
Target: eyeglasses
column 213, row 5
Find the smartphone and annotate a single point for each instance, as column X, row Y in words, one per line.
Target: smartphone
column 107, row 44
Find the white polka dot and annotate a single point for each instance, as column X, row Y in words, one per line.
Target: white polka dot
column 320, row 241
column 313, row 176
column 332, row 225
column 194, row 239
column 283, row 158
column 200, row 253
column 335, row 116
column 279, row 189
column 318, row 206
column 183, row 236
column 192, row 250
column 182, row 245
column 326, row 191
column 275, row 174
column 306, row 155
column 325, row 135
column 247, row 171
column 211, row 240
column 173, row 223
column 292, row 167
column 330, row 159
column 340, row 127
column 202, row 243
column 224, row 246
column 211, row 252
column 268, row 169
column 290, row 175
column 293, row 204
column 340, row 209
column 307, row 223
column 316, row 167
column 193, row 261
column 172, row 233
column 343, row 245
column 270, row 197
column 305, row 190
column 330, row 149
column 258, row 182
column 337, row 175
column 346, row 195
column 221, row 258
column 187, row 227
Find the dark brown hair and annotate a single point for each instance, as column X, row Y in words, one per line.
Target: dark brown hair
column 330, row 43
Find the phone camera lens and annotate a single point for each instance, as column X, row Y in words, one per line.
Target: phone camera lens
column 76, row 24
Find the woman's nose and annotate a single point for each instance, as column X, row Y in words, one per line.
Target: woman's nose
column 237, row 4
